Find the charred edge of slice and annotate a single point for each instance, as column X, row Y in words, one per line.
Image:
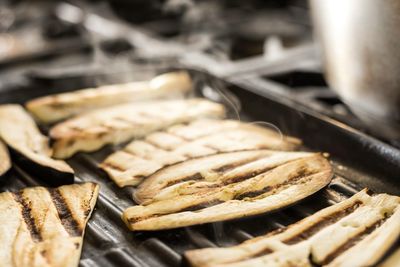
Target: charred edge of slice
column 26, row 212
column 88, row 207
column 46, row 172
column 354, row 240
column 67, row 220
column 322, row 223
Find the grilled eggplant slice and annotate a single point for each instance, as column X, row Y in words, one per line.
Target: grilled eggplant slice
column 141, row 158
column 121, row 123
column 354, row 232
column 53, row 108
column 21, row 134
column 226, row 186
column 5, row 162
column 44, row 227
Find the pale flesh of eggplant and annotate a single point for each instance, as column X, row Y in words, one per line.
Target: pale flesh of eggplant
column 44, row 227
column 19, row 131
column 49, row 109
column 226, row 186
column 113, row 125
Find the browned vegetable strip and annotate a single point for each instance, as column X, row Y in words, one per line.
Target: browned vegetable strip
column 19, row 131
column 212, row 171
column 117, row 124
column 53, row 108
column 224, row 196
column 45, row 227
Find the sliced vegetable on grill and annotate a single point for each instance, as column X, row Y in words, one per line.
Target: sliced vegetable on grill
column 118, row 124
column 355, row 232
column 226, row 186
column 5, row 162
column 141, row 158
column 44, row 227
column 19, row 131
column 53, row 108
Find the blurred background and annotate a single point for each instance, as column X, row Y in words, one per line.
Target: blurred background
column 266, row 44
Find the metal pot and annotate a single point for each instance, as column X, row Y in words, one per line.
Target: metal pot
column 360, row 44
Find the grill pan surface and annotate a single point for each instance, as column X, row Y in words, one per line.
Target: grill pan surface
column 359, row 161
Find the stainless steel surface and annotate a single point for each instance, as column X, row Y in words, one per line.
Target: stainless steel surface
column 361, row 53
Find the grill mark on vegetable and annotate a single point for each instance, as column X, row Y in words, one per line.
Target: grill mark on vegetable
column 302, row 173
column 254, row 173
column 261, row 253
column 322, row 223
column 194, row 177
column 112, row 166
column 221, row 170
column 246, row 176
column 134, row 155
column 158, row 146
column 107, row 128
column 193, row 158
column 353, row 241
column 189, row 139
column 292, row 180
column 26, row 212
column 133, row 220
column 130, row 152
column 202, row 205
column 64, row 213
column 253, row 194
